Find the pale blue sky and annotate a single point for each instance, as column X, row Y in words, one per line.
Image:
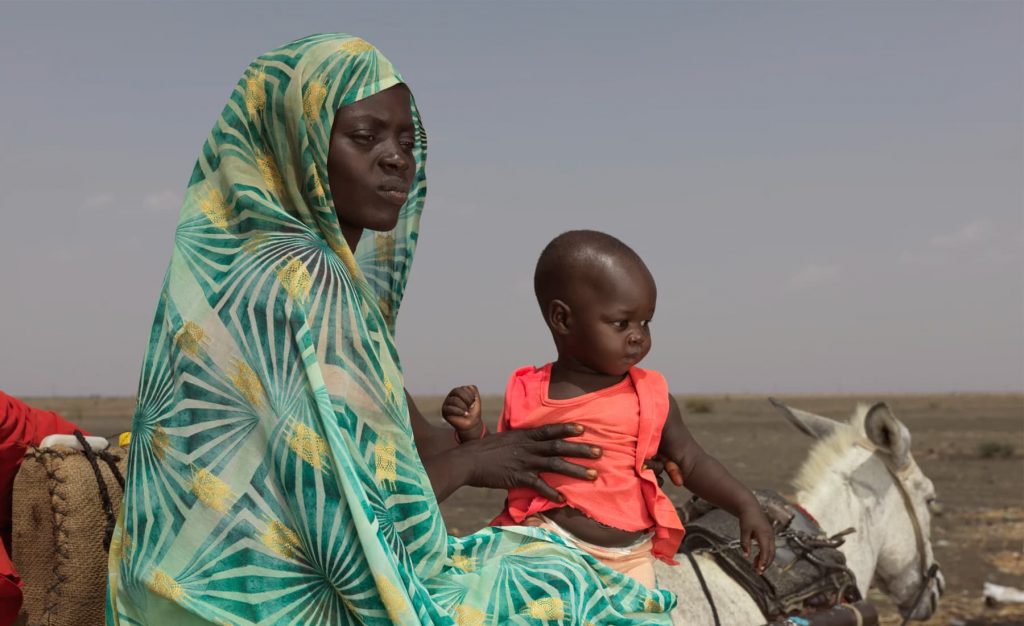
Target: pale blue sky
column 830, row 195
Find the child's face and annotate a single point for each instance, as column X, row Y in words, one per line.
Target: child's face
column 610, row 331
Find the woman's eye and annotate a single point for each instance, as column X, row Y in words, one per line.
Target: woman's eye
column 363, row 138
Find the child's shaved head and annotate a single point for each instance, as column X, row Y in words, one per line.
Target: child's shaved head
column 580, row 258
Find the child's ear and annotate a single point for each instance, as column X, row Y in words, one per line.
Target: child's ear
column 559, row 317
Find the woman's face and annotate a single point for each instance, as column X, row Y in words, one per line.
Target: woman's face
column 370, row 163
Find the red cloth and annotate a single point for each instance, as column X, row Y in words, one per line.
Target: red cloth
column 21, row 426
column 626, row 421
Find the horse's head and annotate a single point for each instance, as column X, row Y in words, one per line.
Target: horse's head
column 872, row 454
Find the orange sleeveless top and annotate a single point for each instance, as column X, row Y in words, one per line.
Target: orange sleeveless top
column 625, row 420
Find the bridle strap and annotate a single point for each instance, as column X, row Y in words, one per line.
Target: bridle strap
column 908, row 504
column 915, row 522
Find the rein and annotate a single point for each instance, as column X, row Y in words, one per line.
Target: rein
column 704, row 588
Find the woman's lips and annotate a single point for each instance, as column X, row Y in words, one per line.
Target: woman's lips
column 393, row 194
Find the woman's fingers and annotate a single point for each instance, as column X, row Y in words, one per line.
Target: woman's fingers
column 674, row 473
column 537, row 483
column 561, row 466
column 655, row 464
column 550, row 441
column 659, row 464
column 516, row 458
column 554, row 431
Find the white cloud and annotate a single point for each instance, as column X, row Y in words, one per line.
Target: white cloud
column 162, row 201
column 979, row 241
column 97, row 201
column 814, row 276
column 969, row 235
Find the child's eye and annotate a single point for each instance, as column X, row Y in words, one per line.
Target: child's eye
column 621, row 324
column 646, row 323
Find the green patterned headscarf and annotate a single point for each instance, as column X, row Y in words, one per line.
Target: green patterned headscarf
column 272, row 474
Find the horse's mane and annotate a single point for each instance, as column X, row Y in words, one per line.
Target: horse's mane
column 828, row 451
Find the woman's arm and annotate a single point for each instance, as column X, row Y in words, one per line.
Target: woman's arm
column 500, row 460
column 430, row 440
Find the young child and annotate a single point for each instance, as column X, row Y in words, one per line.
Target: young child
column 598, row 298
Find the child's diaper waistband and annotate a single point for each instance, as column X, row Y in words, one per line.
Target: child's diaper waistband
column 642, row 544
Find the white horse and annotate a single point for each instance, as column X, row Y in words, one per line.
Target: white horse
column 859, row 474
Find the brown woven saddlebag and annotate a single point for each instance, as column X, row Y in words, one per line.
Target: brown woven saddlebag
column 65, row 505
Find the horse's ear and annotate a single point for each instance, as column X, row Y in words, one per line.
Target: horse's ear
column 887, row 433
column 809, row 424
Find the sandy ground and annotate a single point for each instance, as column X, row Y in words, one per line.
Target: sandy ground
column 980, row 536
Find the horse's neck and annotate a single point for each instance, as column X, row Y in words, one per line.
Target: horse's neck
column 852, row 494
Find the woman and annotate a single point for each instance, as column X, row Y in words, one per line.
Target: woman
column 278, row 473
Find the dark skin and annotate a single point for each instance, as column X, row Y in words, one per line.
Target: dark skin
column 370, row 169
column 370, row 162
column 601, row 328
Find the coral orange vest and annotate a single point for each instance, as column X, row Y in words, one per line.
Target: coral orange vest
column 625, row 420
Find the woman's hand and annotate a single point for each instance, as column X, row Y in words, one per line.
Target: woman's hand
column 659, row 463
column 461, row 409
column 516, row 458
column 755, row 525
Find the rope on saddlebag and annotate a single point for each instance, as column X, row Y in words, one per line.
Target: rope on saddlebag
column 108, row 507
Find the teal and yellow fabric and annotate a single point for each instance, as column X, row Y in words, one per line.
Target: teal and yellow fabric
column 272, row 476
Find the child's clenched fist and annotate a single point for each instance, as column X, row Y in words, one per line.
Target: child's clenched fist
column 461, row 409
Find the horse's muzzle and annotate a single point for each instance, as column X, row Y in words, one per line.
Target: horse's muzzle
column 928, row 601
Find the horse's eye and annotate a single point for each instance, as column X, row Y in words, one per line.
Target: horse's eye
column 934, row 506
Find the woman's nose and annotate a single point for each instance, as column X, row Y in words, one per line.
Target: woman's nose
column 395, row 159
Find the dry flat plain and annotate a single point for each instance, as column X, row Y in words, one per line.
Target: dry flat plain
column 971, row 445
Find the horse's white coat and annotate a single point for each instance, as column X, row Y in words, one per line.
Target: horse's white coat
column 844, row 482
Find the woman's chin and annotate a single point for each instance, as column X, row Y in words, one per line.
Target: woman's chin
column 385, row 222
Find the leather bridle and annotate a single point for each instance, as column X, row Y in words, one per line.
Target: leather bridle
column 928, row 571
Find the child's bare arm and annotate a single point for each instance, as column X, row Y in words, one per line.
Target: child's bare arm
column 707, row 478
column 462, row 410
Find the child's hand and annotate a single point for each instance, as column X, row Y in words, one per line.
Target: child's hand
column 755, row 525
column 461, row 409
